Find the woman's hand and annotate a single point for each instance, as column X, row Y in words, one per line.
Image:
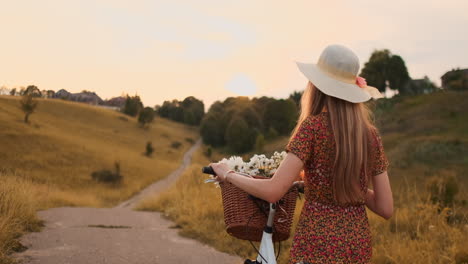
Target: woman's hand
column 220, row 169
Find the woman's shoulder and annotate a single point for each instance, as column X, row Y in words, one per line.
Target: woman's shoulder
column 317, row 121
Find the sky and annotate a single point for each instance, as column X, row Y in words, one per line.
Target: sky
column 212, row 49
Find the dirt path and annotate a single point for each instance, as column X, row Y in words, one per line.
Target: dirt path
column 117, row 235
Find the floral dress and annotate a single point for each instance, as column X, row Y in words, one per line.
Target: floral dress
column 327, row 232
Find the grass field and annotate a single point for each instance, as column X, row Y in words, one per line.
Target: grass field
column 426, row 141
column 48, row 163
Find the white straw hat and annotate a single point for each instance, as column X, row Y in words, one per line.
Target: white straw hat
column 335, row 74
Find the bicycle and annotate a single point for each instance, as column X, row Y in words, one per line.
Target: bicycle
column 266, row 252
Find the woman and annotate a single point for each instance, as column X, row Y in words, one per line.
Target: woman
column 341, row 153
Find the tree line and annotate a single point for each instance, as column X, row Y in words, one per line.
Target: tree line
column 241, row 124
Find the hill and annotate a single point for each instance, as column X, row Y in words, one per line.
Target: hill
column 49, row 162
column 67, row 141
column 425, row 138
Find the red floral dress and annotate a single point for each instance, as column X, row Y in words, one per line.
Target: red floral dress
column 327, row 232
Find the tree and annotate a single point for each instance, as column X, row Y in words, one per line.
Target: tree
column 383, row 67
column 296, row 97
column 212, row 129
column 189, row 111
column 194, row 110
column 146, row 116
column 13, row 92
column 32, row 90
column 238, row 136
column 259, row 143
column 133, row 105
column 397, row 73
column 28, row 105
column 281, row 115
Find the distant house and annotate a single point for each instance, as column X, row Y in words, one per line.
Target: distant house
column 83, row 97
column 87, row 97
column 50, row 94
column 63, row 94
column 419, row 86
column 116, row 102
column 456, row 79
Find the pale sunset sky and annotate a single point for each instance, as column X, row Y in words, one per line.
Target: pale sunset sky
column 212, row 49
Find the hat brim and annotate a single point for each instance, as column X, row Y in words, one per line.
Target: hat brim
column 330, row 86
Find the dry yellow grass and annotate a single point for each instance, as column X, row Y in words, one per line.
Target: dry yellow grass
column 67, row 141
column 49, row 162
column 417, row 233
column 17, row 213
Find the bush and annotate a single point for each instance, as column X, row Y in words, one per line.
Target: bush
column 271, row 133
column 107, row 176
column 259, row 143
column 176, row 144
column 149, row 149
column 146, row 116
column 208, row 152
column 443, row 190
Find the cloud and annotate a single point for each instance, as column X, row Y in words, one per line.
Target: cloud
column 201, row 36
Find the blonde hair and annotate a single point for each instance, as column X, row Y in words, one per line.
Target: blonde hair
column 351, row 124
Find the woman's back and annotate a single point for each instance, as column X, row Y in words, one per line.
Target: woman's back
column 328, row 232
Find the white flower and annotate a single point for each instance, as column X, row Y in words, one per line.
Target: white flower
column 257, row 165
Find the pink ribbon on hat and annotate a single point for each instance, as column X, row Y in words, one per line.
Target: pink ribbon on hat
column 372, row 91
column 361, row 82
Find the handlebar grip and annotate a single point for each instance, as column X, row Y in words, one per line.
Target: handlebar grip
column 208, row 170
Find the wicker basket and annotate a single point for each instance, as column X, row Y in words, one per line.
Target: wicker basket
column 245, row 216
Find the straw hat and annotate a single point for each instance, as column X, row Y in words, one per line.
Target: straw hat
column 335, row 74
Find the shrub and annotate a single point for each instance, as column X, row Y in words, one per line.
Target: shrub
column 189, row 140
column 443, row 190
column 107, row 176
column 146, row 116
column 28, row 105
column 260, row 143
column 123, row 118
column 176, row 144
column 461, row 257
column 149, row 149
column 208, row 152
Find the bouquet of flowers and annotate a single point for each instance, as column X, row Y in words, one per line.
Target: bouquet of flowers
column 258, row 165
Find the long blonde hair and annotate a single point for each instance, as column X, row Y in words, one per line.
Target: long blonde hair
column 351, row 124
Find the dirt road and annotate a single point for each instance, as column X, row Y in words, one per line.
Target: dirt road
column 117, row 235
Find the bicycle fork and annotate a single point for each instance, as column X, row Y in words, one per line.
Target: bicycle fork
column 267, row 251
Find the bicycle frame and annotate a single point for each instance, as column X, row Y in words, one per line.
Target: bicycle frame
column 267, row 250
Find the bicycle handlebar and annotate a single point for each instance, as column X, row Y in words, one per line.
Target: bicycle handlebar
column 208, row 170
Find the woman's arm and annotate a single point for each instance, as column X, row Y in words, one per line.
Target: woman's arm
column 270, row 190
column 380, row 200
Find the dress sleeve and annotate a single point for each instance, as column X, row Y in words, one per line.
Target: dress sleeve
column 380, row 159
column 301, row 144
